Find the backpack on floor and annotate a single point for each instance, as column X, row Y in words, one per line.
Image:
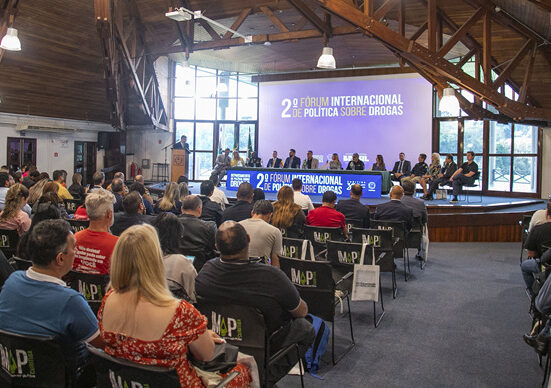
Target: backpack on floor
column 314, row 353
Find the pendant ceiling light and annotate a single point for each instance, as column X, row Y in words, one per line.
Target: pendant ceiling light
column 449, row 102
column 10, row 41
column 327, row 60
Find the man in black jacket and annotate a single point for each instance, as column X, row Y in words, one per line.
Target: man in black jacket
column 133, row 214
column 211, row 210
column 446, row 173
column 198, row 234
column 401, row 168
column 395, row 210
column 242, row 209
column 419, row 170
column 353, row 209
column 292, row 161
column 274, row 162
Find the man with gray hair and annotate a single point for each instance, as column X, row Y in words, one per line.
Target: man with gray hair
column 95, row 244
column 266, row 239
column 198, row 234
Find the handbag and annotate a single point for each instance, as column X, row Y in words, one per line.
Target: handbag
column 440, row 194
column 224, row 359
column 365, row 285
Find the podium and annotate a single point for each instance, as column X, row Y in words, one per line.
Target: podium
column 179, row 163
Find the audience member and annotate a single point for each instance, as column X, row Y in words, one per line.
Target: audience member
column 95, row 244
column 288, row 216
column 59, row 179
column 233, row 279
column 420, row 215
column 379, row 164
column 98, row 179
column 170, row 201
column 539, row 217
column 355, row 163
column 4, row 187
column 300, row 199
column 183, row 190
column 274, row 162
column 147, row 196
column 419, row 170
column 432, row 173
column 30, row 179
column 76, row 189
column 199, row 234
column 353, row 209
column 401, row 168
column 258, row 194
column 218, row 195
column 222, row 163
column 539, row 236
column 50, row 196
column 310, row 163
column 212, row 211
column 140, row 189
column 35, row 192
column 180, row 272
column 254, row 160
column 395, row 210
column 133, row 214
column 335, row 163
column 116, row 187
column 237, row 160
column 12, row 217
column 265, row 239
column 292, row 161
column 17, row 177
column 119, row 175
column 142, row 322
column 37, row 301
column 241, row 210
column 443, row 178
column 465, row 175
column 326, row 215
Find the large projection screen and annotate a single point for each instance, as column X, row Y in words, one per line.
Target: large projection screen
column 369, row 115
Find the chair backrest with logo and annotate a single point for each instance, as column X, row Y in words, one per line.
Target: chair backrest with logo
column 353, row 224
column 8, row 242
column 78, row 225
column 71, row 205
column 315, row 284
column 346, row 253
column 92, row 286
column 399, row 234
column 319, row 235
column 31, row 361
column 297, row 248
column 116, row 372
column 381, row 240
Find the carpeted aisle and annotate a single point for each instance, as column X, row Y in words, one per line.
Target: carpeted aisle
column 459, row 323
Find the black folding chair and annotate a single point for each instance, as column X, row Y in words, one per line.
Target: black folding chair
column 8, row 242
column 116, row 372
column 297, row 249
column 22, row 264
column 382, row 241
column 92, row 286
column 319, row 235
column 6, row 269
column 399, row 235
column 289, row 233
column 343, row 255
column 524, row 225
column 71, row 205
column 78, row 225
column 315, row 284
column 32, row 361
column 244, row 326
column 352, row 224
column 415, row 237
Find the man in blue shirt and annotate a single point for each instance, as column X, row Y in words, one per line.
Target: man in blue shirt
column 37, row 302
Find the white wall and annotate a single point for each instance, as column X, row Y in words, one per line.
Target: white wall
column 147, row 144
column 546, row 163
column 55, row 139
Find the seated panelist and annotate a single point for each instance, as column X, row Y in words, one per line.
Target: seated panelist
column 274, row 162
column 355, row 163
column 292, row 161
column 310, row 163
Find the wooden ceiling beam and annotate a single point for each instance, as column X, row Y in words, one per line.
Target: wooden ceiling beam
column 466, row 58
column 461, row 32
column 385, row 8
column 275, row 20
column 419, row 31
column 309, row 14
column 368, row 7
column 432, row 20
column 237, row 23
column 487, row 48
column 513, row 63
column 208, row 28
column 545, row 4
column 528, row 74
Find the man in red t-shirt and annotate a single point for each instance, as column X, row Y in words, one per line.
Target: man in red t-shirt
column 95, row 244
column 326, row 215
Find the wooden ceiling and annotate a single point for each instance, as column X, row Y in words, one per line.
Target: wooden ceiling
column 59, row 72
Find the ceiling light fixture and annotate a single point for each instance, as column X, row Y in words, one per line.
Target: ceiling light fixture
column 449, row 102
column 10, row 41
column 327, row 60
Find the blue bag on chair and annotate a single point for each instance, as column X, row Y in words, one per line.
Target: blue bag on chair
column 314, row 353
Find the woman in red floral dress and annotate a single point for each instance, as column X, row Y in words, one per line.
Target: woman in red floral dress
column 141, row 321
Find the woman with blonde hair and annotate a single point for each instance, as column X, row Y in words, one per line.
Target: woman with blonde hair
column 140, row 320
column 170, row 201
column 432, row 173
column 334, row 163
column 184, row 190
column 35, row 192
column 13, row 217
column 288, row 216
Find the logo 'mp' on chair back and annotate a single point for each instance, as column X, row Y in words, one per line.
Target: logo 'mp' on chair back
column 8, row 242
column 345, row 253
column 71, row 205
column 297, row 249
column 319, row 235
column 78, row 225
column 92, row 286
column 31, row 361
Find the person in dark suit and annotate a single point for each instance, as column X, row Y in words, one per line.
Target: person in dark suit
column 443, row 178
column 419, row 213
column 395, row 210
column 117, row 189
column 182, row 144
column 212, row 211
column 292, row 161
column 353, row 209
column 402, row 168
column 274, row 162
column 133, row 214
column 198, row 234
column 242, row 209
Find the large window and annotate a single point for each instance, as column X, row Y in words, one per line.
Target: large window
column 215, row 109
